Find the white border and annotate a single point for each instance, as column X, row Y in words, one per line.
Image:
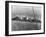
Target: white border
column 24, row 32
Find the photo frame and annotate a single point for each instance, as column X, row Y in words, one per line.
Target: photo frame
column 24, row 18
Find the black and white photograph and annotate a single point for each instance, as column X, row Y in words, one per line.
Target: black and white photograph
column 25, row 18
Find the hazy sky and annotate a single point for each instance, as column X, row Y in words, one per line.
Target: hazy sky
column 25, row 11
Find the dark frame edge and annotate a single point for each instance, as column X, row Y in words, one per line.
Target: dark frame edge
column 44, row 18
column 6, row 18
column 24, row 2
